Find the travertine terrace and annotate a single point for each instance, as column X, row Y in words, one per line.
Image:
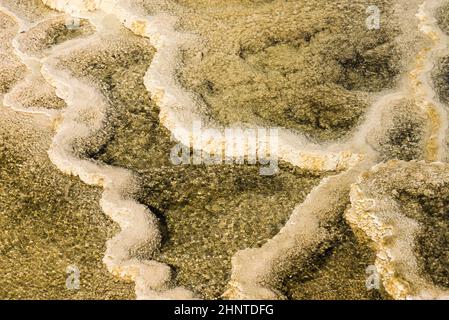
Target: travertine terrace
column 97, row 94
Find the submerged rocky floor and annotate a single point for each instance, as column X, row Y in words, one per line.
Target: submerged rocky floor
column 95, row 95
column 51, row 221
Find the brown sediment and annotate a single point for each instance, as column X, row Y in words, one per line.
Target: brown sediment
column 440, row 79
column 404, row 132
column 53, row 220
column 305, row 68
column 50, row 221
column 442, row 16
column 432, row 241
column 338, row 273
column 212, row 212
column 11, row 69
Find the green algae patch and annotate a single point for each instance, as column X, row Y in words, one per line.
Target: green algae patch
column 50, row 221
